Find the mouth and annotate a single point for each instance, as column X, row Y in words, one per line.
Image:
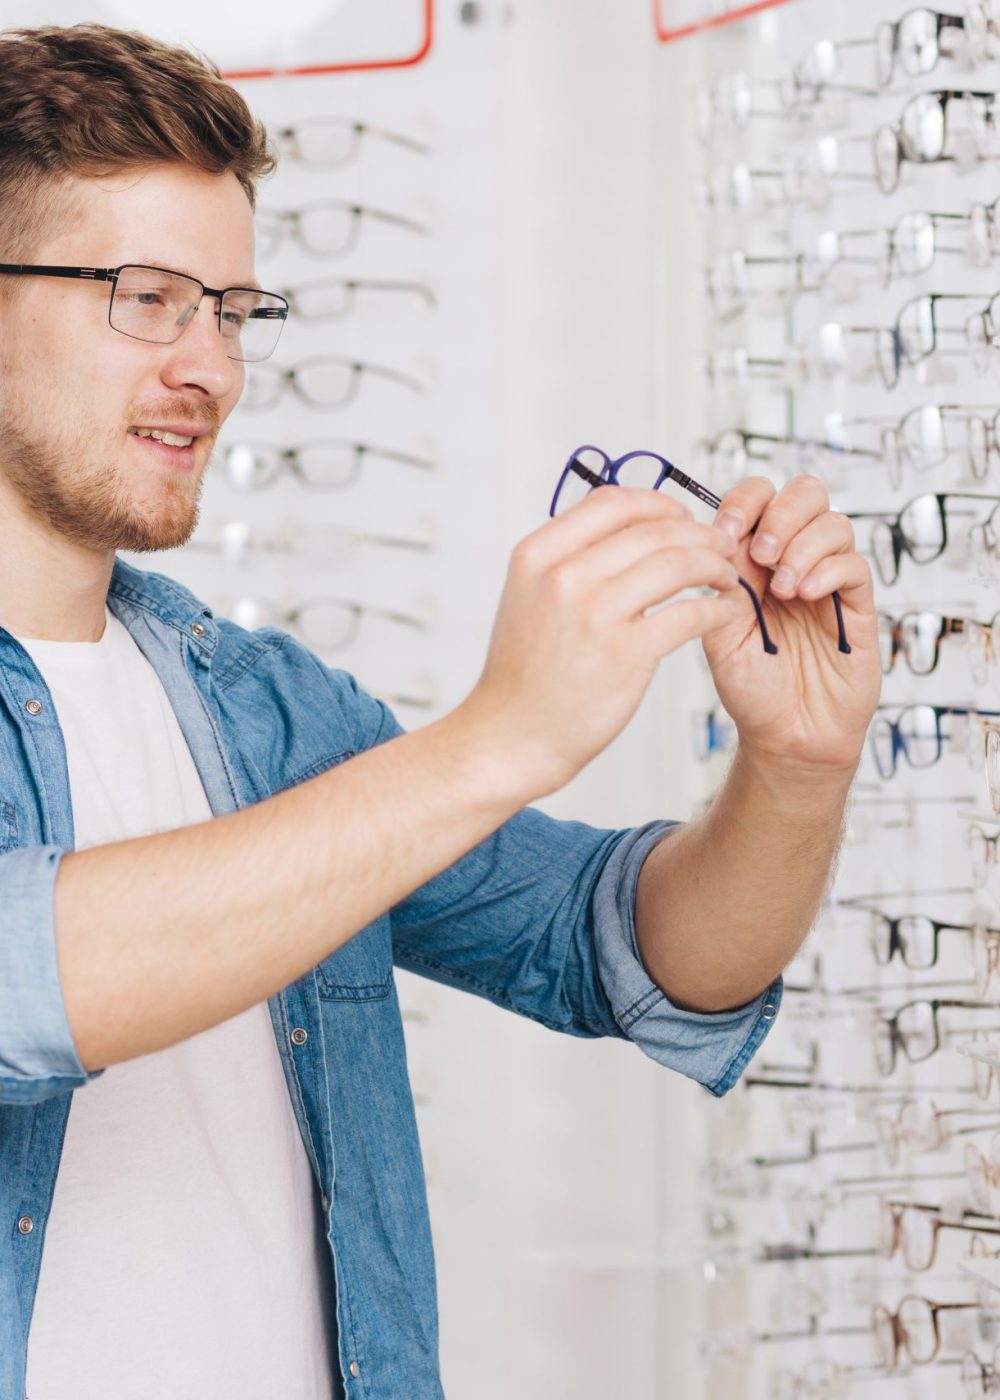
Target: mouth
column 169, row 448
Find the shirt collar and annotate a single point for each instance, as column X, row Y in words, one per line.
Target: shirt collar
column 165, row 598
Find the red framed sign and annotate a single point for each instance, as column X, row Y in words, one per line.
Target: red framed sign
column 360, row 65
column 669, row 34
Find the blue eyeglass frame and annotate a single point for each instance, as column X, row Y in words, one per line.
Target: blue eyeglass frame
column 668, row 472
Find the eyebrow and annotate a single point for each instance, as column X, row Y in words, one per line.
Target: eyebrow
column 153, row 262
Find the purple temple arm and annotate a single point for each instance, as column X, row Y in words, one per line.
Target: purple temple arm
column 710, row 499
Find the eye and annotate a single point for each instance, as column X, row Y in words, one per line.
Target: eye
column 141, row 298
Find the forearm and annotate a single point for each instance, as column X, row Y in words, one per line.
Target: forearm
column 724, row 902
column 163, row 936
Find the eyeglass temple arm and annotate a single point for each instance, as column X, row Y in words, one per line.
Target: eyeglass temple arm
column 710, row 499
column 87, row 274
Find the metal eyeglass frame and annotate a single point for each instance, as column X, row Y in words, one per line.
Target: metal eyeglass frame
column 668, row 472
column 111, row 274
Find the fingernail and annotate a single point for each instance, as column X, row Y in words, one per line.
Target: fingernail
column 765, row 548
column 783, row 580
column 731, row 522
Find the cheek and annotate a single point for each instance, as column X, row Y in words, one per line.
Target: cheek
column 227, row 404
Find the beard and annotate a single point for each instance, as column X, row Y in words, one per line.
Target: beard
column 92, row 503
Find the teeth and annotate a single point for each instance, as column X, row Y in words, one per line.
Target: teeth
column 171, row 439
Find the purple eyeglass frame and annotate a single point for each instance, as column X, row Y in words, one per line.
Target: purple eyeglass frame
column 668, row 472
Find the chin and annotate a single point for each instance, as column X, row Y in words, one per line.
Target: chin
column 155, row 533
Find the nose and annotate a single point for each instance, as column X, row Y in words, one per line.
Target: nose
column 198, row 359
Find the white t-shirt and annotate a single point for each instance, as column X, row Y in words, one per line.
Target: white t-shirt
column 184, row 1256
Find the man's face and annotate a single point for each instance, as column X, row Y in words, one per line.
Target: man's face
column 72, row 389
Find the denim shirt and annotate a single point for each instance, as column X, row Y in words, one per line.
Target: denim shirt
column 537, row 918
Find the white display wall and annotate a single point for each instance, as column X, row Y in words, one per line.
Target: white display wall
column 856, row 1166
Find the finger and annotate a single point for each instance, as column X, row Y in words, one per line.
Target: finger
column 850, row 576
column 791, row 509
column 773, row 517
column 615, row 553
column 679, row 622
column 600, row 513
column 742, row 506
column 657, row 577
column 828, row 534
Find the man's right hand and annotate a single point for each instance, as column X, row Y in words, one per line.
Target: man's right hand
column 573, row 648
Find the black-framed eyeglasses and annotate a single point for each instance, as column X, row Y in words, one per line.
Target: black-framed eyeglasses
column 589, row 467
column 919, row 529
column 155, row 305
column 913, row 937
column 914, row 1030
column 916, row 334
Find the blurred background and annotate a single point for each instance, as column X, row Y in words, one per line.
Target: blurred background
column 755, row 241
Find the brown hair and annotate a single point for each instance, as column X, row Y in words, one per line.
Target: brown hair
column 88, row 100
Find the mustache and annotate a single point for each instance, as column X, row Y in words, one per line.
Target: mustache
column 177, row 410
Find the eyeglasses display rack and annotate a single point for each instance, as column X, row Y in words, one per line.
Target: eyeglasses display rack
column 847, row 170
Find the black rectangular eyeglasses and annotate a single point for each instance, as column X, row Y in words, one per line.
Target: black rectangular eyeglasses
column 590, row 467
column 154, row 304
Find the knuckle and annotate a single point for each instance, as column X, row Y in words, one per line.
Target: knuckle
column 809, row 481
column 522, row 556
column 760, row 486
column 562, row 581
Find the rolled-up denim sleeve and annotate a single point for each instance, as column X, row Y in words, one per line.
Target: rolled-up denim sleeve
column 714, row 1048
column 38, row 1057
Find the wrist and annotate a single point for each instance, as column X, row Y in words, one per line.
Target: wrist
column 794, row 781
column 500, row 764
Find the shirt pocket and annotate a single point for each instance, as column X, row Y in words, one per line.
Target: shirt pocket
column 361, row 968
column 8, row 826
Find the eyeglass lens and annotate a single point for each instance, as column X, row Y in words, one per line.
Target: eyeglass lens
column 153, row 305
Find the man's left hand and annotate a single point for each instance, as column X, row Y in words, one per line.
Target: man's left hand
column 807, row 708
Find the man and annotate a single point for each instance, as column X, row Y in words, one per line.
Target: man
column 213, row 849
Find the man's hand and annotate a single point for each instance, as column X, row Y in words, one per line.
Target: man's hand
column 808, row 708
column 572, row 650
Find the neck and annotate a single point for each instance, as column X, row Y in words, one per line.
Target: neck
column 51, row 588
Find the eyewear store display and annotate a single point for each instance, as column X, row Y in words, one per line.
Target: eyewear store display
column 322, row 434
column 850, row 185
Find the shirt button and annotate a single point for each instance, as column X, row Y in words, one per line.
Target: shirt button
column 299, row 1036
column 197, row 629
column 25, row 1224
column 326, row 1203
column 354, row 1369
column 34, row 707
column 769, row 1012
